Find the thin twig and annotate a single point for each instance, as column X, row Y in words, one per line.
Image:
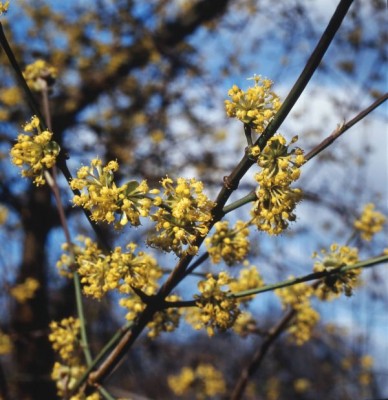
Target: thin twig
column 103, row 353
column 34, row 107
column 53, row 183
column 370, row 262
column 344, row 127
column 19, row 75
column 258, row 357
column 234, row 178
column 305, row 76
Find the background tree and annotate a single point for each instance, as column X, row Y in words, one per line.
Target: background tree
column 137, row 83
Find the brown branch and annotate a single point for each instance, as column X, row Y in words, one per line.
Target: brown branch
column 344, row 127
column 234, row 178
column 258, row 357
column 298, row 88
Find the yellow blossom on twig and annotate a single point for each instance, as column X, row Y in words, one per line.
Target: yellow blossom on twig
column 276, row 200
column 40, row 75
column 249, row 278
column 335, row 284
column 184, row 212
column 34, row 153
column 255, row 107
column 65, row 339
column 370, row 222
column 244, row 324
column 297, row 297
column 228, row 244
column 104, row 199
column 4, row 7
column 120, row 269
column 66, row 376
column 215, row 308
column 165, row 320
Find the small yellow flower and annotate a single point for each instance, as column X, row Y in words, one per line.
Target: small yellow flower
column 5, row 343
column 301, row 385
column 65, row 339
column 249, row 278
column 215, row 308
column 184, row 212
column 35, row 153
column 204, row 382
column 335, row 284
column 366, row 361
column 370, row 222
column 276, row 200
column 119, row 270
column 105, row 200
column 3, row 214
column 66, row 376
column 255, row 107
column 25, row 291
column 230, row 245
column 244, row 324
column 4, row 7
column 40, row 75
column 166, row 320
column 297, row 298
column 11, row 96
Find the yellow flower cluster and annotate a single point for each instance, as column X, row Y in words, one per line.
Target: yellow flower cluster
column 215, row 309
column 230, row 245
column 11, row 96
column 25, row 291
column 104, row 199
column 204, row 382
column 301, row 385
column 245, row 324
column 366, row 376
column 276, row 199
column 166, row 320
column 4, row 7
column 40, row 75
column 134, row 304
column 34, row 153
column 125, row 272
column 65, row 340
column 298, row 298
column 335, row 284
column 370, row 222
column 120, row 269
column 184, row 212
column 5, row 343
column 66, row 376
column 3, row 214
column 255, row 107
column 249, row 278
column 66, row 262
column 163, row 321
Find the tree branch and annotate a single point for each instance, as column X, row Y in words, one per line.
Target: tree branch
column 344, row 127
column 179, row 272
